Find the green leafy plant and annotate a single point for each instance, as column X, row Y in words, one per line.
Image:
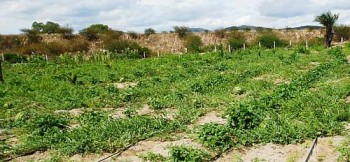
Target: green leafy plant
column 184, row 153
column 218, row 137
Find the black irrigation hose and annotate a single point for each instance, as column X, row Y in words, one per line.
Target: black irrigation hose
column 312, row 150
column 117, row 153
column 217, row 156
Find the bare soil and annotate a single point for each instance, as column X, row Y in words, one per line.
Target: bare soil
column 72, row 112
column 281, row 81
column 324, row 151
column 125, row 85
column 157, row 147
column 211, row 117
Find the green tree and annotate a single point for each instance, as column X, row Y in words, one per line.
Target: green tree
column 149, row 31
column 94, row 31
column 51, row 27
column 328, row 20
column 181, row 31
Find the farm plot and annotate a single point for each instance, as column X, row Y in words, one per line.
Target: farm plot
column 181, row 108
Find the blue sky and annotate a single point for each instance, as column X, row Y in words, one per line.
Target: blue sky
column 162, row 15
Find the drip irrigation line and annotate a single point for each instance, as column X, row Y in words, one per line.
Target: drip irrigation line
column 311, row 150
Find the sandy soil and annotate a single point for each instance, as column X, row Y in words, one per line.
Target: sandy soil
column 157, row 147
column 125, row 85
column 211, row 117
column 324, row 151
column 72, row 112
column 281, row 81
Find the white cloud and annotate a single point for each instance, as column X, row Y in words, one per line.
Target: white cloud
column 164, row 14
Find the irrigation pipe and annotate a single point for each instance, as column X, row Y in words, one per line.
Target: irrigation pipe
column 312, row 150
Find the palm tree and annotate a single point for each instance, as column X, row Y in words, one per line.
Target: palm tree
column 328, row 20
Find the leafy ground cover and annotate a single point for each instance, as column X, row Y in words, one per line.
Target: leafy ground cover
column 68, row 106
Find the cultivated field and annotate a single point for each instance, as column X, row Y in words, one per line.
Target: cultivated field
column 252, row 105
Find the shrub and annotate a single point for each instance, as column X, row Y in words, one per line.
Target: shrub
column 149, row 31
column 236, row 40
column 133, row 34
column 10, row 42
column 14, row 58
column 267, row 40
column 32, row 35
column 342, row 31
column 220, row 33
column 181, row 31
column 125, row 47
column 193, row 43
column 30, row 49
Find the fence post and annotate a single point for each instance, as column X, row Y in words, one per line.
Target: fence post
column 342, row 39
column 2, row 57
column 144, row 54
column 1, row 76
column 260, row 44
column 215, row 49
column 306, row 44
column 290, row 43
column 274, row 44
column 229, row 48
column 243, row 46
column 186, row 50
column 47, row 59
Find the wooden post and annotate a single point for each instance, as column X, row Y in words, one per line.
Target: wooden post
column 2, row 57
column 260, row 44
column 243, row 46
column 158, row 53
column 306, row 44
column 290, row 43
column 1, row 76
column 186, row 50
column 274, row 44
column 47, row 59
column 229, row 48
column 215, row 49
column 342, row 39
column 144, row 54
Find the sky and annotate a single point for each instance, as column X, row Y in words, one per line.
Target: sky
column 163, row 15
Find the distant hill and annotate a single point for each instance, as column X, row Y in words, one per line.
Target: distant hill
column 306, row 27
column 198, row 30
column 245, row 27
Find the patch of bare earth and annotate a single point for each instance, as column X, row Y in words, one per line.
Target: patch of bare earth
column 157, row 147
column 169, row 113
column 324, row 151
column 87, row 158
column 72, row 112
column 347, row 99
column 125, row 85
column 119, row 112
column 211, row 117
column 281, row 81
column 315, row 63
column 43, row 156
column 37, row 156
